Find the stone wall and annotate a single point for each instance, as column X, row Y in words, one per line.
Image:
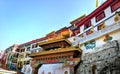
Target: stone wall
column 105, row 60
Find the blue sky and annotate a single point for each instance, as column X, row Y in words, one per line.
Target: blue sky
column 25, row 20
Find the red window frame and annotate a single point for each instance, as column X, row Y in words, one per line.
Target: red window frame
column 115, row 6
column 87, row 24
column 100, row 16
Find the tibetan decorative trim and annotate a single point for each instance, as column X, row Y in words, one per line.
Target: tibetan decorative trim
column 90, row 45
column 101, row 26
column 61, row 50
column 116, row 18
column 107, row 38
column 89, row 32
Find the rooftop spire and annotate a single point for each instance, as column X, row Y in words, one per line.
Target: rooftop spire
column 96, row 3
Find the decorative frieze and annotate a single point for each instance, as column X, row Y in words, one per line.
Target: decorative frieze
column 96, row 34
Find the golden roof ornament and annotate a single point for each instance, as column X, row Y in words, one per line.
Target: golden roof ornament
column 116, row 18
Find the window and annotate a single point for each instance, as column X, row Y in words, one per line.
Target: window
column 87, row 25
column 100, row 16
column 115, row 6
column 34, row 45
column 28, row 48
column 22, row 50
column 17, row 54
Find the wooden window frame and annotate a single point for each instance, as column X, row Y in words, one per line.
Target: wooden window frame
column 100, row 16
column 87, row 25
column 115, row 6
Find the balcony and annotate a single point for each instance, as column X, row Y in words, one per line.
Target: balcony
column 96, row 34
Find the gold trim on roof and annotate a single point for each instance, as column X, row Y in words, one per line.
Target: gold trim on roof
column 60, row 50
column 53, row 41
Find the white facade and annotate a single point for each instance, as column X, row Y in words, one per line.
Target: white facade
column 112, row 28
column 53, row 69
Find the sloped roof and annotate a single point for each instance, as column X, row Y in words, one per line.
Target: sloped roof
column 60, row 50
column 53, row 41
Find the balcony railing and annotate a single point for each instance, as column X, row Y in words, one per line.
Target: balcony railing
column 96, row 34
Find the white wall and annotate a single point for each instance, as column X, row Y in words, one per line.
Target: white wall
column 81, row 29
column 99, row 41
column 53, row 68
column 115, row 36
column 74, row 43
column 108, row 13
